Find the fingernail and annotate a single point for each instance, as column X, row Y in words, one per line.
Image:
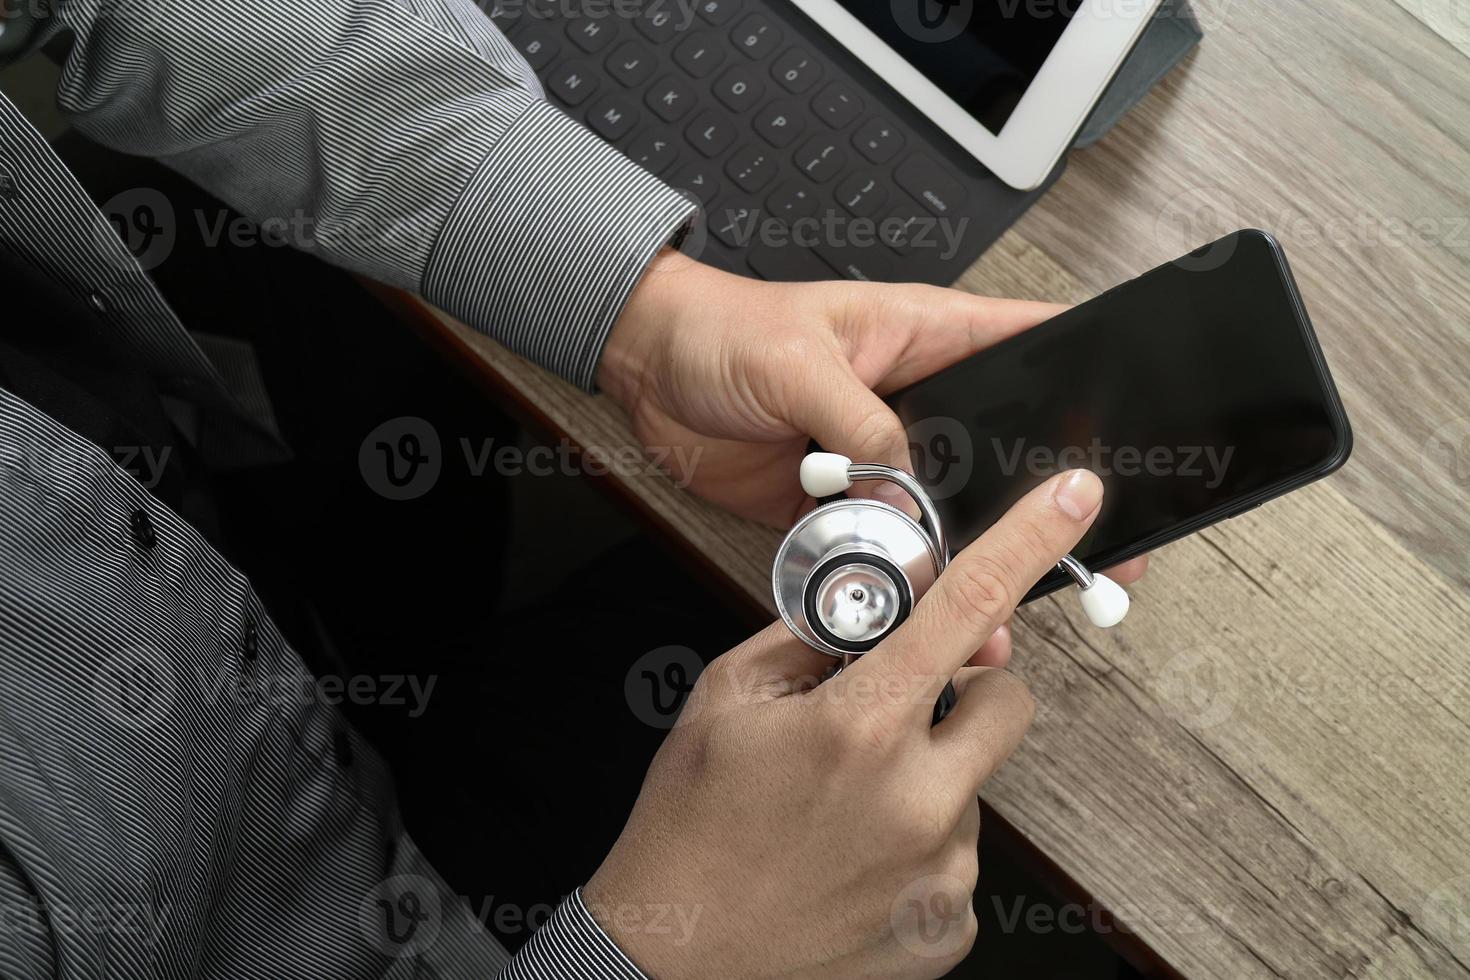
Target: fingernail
column 896, row 496
column 1078, row 493
column 891, row 493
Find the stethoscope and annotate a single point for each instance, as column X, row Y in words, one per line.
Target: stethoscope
column 848, row 574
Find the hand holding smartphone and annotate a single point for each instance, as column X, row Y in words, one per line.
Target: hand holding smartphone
column 1196, row 392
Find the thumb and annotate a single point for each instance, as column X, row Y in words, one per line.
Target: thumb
column 844, row 416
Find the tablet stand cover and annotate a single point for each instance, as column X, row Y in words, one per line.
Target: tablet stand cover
column 1173, row 33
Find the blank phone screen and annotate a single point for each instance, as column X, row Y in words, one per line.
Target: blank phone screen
column 1191, row 391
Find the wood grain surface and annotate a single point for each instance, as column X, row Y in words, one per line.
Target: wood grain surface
column 1266, row 770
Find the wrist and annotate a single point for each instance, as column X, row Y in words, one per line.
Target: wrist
column 660, row 938
column 635, row 347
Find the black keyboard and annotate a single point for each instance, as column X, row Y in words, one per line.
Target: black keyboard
column 807, row 166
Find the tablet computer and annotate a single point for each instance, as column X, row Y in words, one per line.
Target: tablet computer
column 1012, row 81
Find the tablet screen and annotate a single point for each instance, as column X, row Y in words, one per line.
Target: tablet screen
column 984, row 54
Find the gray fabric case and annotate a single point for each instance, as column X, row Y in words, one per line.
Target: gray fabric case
column 1173, row 34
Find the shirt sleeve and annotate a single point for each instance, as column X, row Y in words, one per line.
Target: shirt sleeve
column 405, row 140
column 570, row 946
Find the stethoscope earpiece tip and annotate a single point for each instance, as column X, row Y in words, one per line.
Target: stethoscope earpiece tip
column 825, row 474
column 1104, row 602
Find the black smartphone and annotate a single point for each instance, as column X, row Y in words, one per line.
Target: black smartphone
column 1196, row 392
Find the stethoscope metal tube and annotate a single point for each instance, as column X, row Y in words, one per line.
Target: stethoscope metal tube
column 915, row 489
column 1077, row 570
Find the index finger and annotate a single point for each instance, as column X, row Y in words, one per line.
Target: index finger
column 982, row 586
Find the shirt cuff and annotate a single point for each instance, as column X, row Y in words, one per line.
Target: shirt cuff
column 571, row 946
column 548, row 241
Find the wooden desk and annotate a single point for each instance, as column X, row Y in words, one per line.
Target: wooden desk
column 1266, row 771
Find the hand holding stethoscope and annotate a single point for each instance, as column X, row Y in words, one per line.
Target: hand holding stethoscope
column 849, row 573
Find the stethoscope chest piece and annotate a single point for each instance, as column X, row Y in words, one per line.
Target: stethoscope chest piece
column 848, row 574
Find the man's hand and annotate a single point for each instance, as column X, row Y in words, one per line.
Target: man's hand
column 739, row 374
column 795, row 829
column 748, row 371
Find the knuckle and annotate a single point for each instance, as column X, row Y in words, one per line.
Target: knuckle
column 1014, row 692
column 947, row 927
column 875, row 432
column 924, row 830
column 1035, row 539
column 964, row 866
column 982, row 591
column 791, row 344
column 719, row 672
column 969, row 932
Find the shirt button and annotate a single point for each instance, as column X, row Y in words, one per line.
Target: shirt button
column 250, row 645
column 99, row 303
column 142, row 526
column 9, row 188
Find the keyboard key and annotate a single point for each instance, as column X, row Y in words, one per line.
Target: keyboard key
column 905, row 229
column 862, row 193
column 796, row 70
column 820, row 158
column 699, row 178
column 738, row 88
column 878, row 140
column 573, row 82
column 507, row 16
column 735, row 222
column 837, row 105
column 538, row 45
column 659, row 21
column 793, row 199
column 591, row 34
column 631, row 63
column 717, row 12
column 869, row 262
column 787, row 262
column 923, row 177
column 751, row 167
column 699, row 54
column 613, row 116
column 755, row 36
column 778, row 123
column 653, row 149
column 709, row 133
column 670, row 97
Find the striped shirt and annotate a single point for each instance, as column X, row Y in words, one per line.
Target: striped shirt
column 156, row 819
